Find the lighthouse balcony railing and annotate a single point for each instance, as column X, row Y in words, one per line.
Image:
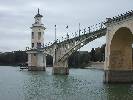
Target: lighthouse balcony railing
column 38, row 24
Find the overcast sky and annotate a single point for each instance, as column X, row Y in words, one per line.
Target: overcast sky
column 17, row 16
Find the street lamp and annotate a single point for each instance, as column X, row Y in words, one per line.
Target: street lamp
column 55, row 32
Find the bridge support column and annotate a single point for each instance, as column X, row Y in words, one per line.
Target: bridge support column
column 113, row 76
column 118, row 56
column 61, row 68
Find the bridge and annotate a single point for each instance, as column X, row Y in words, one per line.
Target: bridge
column 118, row 52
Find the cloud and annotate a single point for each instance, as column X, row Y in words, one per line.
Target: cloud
column 17, row 16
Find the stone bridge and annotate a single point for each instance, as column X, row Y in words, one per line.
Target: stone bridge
column 118, row 52
column 118, row 55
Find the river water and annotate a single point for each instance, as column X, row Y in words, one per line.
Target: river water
column 80, row 84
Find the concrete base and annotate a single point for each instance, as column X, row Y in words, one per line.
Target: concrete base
column 61, row 70
column 118, row 76
column 34, row 68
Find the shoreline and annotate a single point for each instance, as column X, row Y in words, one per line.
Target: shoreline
column 96, row 65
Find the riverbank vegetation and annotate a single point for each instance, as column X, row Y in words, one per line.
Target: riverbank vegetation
column 78, row 59
column 83, row 58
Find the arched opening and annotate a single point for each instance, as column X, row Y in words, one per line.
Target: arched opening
column 121, row 50
column 49, row 60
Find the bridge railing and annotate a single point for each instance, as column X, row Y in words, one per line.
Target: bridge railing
column 120, row 17
column 81, row 32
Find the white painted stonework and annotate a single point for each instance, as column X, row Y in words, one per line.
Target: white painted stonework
column 36, row 56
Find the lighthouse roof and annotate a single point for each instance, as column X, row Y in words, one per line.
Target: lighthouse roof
column 38, row 14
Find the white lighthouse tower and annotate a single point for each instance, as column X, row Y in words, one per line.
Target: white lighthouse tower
column 36, row 56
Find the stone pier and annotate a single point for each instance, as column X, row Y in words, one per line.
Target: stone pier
column 118, row 52
column 60, row 70
column 113, row 76
column 35, row 68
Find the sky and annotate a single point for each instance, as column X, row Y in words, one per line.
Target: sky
column 17, row 16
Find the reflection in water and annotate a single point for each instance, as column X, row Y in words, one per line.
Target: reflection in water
column 119, row 92
column 81, row 84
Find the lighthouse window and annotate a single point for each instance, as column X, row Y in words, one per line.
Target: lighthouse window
column 32, row 35
column 32, row 45
column 38, row 45
column 39, row 35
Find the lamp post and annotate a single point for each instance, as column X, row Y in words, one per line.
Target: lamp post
column 55, row 33
column 89, row 29
column 67, row 33
column 79, row 29
column 55, row 46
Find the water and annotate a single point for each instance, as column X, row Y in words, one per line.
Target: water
column 80, row 84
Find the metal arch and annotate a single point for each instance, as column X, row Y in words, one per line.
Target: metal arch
column 85, row 41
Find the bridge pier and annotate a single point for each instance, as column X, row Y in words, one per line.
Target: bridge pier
column 36, row 68
column 118, row 53
column 113, row 76
column 61, row 68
